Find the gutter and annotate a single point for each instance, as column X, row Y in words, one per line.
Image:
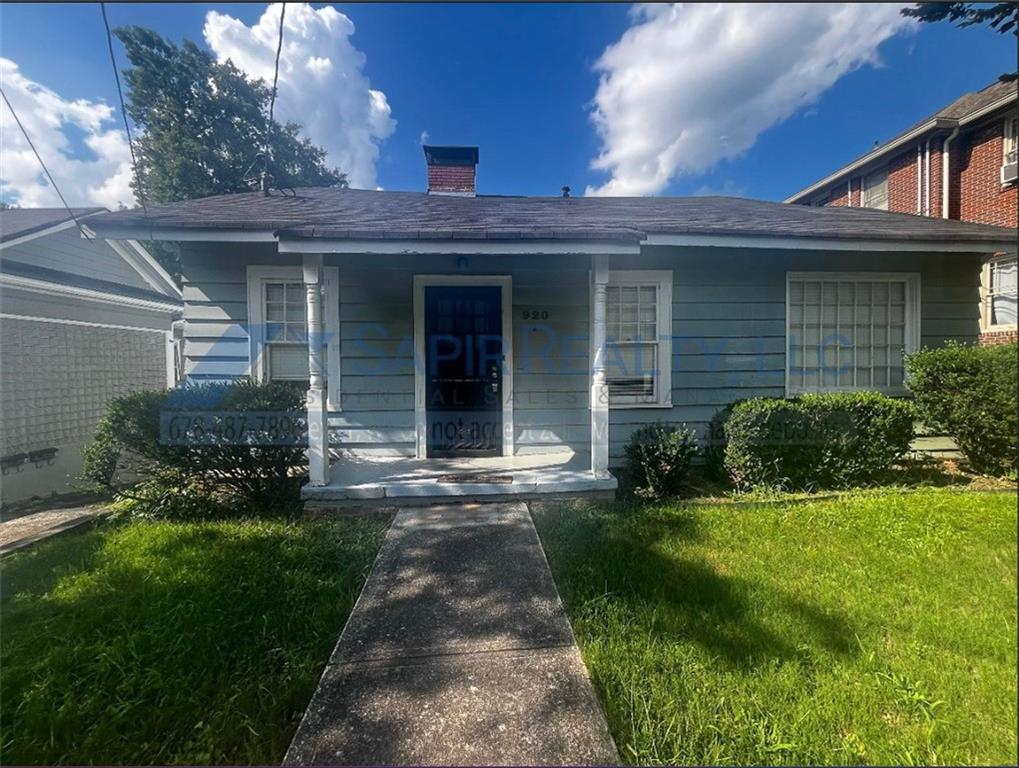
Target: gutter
column 945, row 164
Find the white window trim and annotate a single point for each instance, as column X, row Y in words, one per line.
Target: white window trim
column 1010, row 142
column 257, row 361
column 663, row 279
column 911, row 330
column 985, row 296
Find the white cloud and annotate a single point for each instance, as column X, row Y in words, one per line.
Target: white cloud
column 101, row 177
column 689, row 85
column 322, row 84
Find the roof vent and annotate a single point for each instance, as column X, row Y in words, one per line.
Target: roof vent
column 451, row 170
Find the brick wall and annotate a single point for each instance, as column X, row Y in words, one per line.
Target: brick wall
column 999, row 337
column 902, row 182
column 451, row 178
column 976, row 191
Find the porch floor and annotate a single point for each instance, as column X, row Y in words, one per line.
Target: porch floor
column 406, row 481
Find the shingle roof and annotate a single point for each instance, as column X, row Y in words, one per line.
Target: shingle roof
column 361, row 214
column 17, row 222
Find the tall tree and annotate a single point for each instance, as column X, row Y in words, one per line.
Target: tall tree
column 204, row 125
column 1001, row 17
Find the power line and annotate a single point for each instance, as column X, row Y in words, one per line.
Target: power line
column 123, row 111
column 272, row 103
column 43, row 165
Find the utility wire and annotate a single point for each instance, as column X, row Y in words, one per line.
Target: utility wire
column 123, row 111
column 272, row 104
column 44, row 168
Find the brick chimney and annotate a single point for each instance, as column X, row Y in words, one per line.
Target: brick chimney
column 451, row 170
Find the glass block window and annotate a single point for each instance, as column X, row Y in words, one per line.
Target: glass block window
column 850, row 332
column 638, row 315
column 1001, row 293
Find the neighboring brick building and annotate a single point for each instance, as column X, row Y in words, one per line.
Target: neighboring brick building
column 971, row 142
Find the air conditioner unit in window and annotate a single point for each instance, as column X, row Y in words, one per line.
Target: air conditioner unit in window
column 1009, row 172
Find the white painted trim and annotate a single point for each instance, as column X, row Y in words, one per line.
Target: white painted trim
column 505, row 282
column 145, row 265
column 911, row 330
column 86, row 294
column 60, row 320
column 171, row 361
column 663, row 279
column 256, row 275
column 457, row 247
column 70, row 223
column 828, row 244
column 184, row 234
column 986, row 326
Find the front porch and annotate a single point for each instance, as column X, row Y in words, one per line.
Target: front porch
column 541, row 425
column 381, row 481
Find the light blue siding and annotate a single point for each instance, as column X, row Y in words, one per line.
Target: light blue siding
column 728, row 324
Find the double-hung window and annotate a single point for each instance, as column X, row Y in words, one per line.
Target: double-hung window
column 849, row 331
column 1011, row 142
column 875, row 190
column 278, row 328
column 1000, row 293
column 638, row 359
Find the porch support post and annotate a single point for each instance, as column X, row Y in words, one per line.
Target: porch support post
column 317, row 400
column 599, row 388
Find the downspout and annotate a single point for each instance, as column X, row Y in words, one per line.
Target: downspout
column 945, row 158
column 849, row 192
column 919, row 179
column 927, row 179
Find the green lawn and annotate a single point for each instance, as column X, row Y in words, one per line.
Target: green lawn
column 865, row 628
column 158, row 642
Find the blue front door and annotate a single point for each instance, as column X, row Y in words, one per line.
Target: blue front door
column 463, row 376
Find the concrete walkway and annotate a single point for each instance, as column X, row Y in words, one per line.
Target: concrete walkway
column 457, row 652
column 28, row 529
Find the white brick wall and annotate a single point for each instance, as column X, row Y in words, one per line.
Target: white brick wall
column 56, row 378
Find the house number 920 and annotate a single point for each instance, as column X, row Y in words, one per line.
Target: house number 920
column 535, row 314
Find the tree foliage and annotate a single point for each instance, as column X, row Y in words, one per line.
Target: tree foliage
column 1001, row 17
column 204, row 124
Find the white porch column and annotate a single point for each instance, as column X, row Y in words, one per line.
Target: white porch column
column 317, row 401
column 599, row 389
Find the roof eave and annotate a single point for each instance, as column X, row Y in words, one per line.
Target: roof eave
column 935, row 124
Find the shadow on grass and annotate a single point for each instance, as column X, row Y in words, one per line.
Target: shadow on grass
column 638, row 565
column 172, row 643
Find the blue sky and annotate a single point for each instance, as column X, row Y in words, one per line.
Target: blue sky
column 521, row 82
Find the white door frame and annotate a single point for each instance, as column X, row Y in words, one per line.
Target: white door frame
column 505, row 283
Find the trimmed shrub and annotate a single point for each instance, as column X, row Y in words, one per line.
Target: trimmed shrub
column 969, row 392
column 658, row 459
column 237, row 457
column 816, row 441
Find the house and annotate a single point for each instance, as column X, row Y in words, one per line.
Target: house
column 81, row 321
column 972, row 143
column 525, row 338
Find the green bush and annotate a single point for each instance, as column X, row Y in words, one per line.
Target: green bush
column 969, row 392
column 816, row 441
column 186, row 465
column 658, row 459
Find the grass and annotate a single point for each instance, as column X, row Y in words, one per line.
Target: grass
column 866, row 628
column 162, row 642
